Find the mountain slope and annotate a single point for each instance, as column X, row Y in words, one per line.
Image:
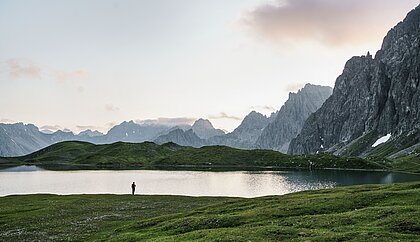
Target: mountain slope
column 181, row 137
column 18, row 139
column 373, row 97
column 291, row 117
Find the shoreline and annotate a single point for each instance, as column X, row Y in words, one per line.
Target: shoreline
column 215, row 168
column 328, row 189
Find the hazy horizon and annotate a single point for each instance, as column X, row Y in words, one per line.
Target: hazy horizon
column 93, row 64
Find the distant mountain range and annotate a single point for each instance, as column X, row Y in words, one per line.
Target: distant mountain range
column 20, row 139
column 256, row 130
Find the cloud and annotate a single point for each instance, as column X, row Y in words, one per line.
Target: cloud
column 111, row 124
column 111, row 108
column 72, row 78
column 330, row 22
column 223, row 115
column 77, row 128
column 85, row 127
column 294, row 87
column 52, row 128
column 6, row 120
column 264, row 107
column 168, row 121
column 19, row 70
column 80, row 89
column 64, row 76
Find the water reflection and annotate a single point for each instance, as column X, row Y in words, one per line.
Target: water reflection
column 22, row 168
column 32, row 179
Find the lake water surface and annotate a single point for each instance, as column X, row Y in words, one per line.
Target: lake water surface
column 32, row 179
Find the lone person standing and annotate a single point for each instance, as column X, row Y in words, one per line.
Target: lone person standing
column 133, row 188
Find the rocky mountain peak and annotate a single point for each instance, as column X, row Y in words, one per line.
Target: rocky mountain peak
column 245, row 135
column 373, row 97
column 205, row 130
column 410, row 26
column 254, row 120
column 291, row 117
column 202, row 123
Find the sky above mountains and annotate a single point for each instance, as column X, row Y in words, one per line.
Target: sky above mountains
column 91, row 64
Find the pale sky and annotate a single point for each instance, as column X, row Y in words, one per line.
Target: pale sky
column 88, row 64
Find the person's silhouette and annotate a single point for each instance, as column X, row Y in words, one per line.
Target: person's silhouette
column 133, row 188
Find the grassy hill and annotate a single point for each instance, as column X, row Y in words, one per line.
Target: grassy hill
column 124, row 155
column 360, row 213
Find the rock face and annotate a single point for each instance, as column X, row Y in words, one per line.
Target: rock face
column 17, row 139
column 181, row 137
column 291, row 117
column 204, row 129
column 373, row 97
column 246, row 134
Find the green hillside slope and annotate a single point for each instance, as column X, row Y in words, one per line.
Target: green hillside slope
column 75, row 153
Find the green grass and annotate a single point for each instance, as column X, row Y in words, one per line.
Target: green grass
column 361, row 144
column 409, row 162
column 382, row 153
column 360, row 213
column 404, row 141
column 406, row 162
column 124, row 155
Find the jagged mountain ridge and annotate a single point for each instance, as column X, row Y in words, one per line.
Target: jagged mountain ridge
column 291, row 117
column 245, row 135
column 371, row 98
column 201, row 133
column 132, row 132
column 21, row 139
column 90, row 133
